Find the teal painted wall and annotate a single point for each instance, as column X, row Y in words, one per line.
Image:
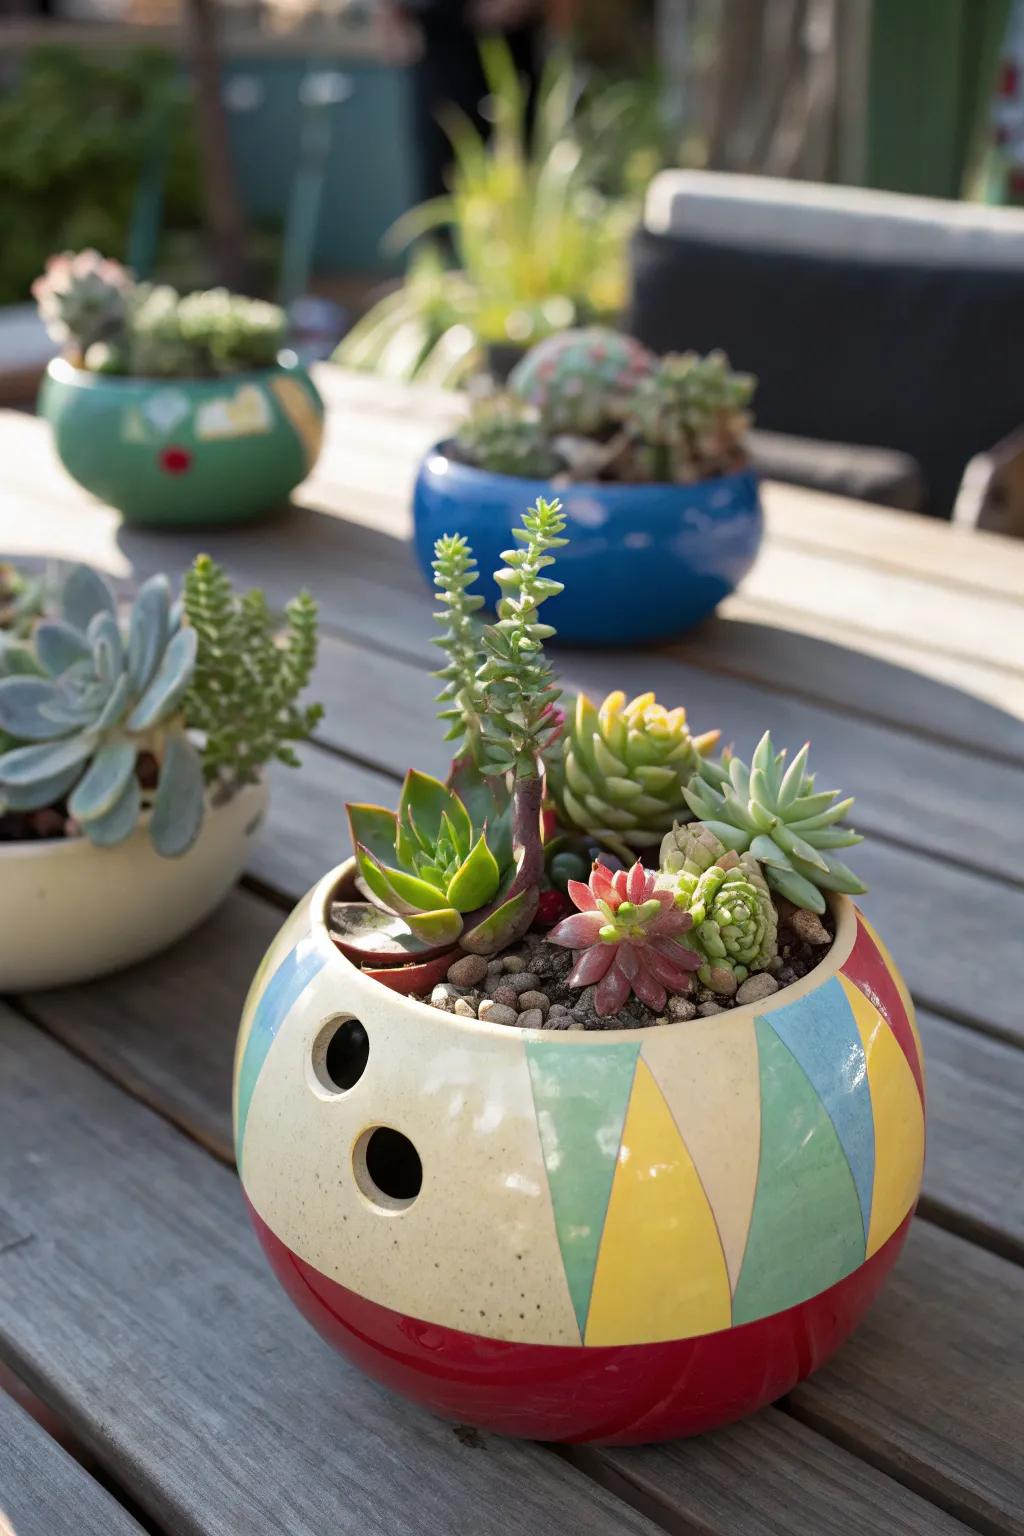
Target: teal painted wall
column 369, row 174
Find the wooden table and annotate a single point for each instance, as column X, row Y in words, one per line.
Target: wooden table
column 133, row 1299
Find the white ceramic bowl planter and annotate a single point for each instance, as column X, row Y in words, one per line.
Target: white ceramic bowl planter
column 70, row 911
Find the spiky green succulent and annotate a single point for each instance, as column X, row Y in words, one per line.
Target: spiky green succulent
column 773, row 811
column 83, row 299
column 687, row 419
column 735, row 924
column 619, row 772
column 505, row 436
column 578, row 379
column 88, row 699
column 443, row 876
column 22, row 599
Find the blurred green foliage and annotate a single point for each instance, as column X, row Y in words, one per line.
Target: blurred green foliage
column 76, row 132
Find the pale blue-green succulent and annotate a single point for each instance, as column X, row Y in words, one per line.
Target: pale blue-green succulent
column 83, row 699
column 773, row 812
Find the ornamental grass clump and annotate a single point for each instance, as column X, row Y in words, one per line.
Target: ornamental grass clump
column 592, row 404
column 594, row 868
column 104, row 719
column 108, row 323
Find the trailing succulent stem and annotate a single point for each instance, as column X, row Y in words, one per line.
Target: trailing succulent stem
column 463, row 693
column 248, row 677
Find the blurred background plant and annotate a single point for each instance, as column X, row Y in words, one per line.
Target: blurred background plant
column 77, row 132
column 537, row 244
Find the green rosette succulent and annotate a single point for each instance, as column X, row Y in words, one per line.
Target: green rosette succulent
column 735, row 925
column 504, row 436
column 83, row 700
column 83, row 299
column 619, row 772
column 773, row 812
column 687, row 420
column 443, row 876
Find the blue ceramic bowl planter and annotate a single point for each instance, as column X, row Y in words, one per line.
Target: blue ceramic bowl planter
column 643, row 562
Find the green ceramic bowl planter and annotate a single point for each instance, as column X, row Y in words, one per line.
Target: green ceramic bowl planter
column 174, row 410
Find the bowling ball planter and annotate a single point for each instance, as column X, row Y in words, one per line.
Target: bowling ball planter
column 618, row 1211
column 619, row 1236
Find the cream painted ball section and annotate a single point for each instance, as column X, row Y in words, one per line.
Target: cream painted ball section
column 70, row 912
column 463, row 1098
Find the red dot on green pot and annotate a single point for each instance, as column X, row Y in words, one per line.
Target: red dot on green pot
column 175, row 460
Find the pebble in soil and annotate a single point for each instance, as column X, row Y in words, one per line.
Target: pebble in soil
column 526, row 987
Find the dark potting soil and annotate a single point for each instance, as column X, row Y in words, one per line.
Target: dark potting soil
column 526, row 986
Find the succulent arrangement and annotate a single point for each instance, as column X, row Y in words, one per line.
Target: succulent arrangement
column 107, row 323
column 21, row 599
column 590, row 867
column 103, row 720
column 593, row 404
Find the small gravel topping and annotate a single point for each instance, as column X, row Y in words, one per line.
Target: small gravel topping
column 531, row 1018
column 535, row 1000
column 707, row 1009
column 756, row 987
column 496, row 1013
column 681, row 1010
column 809, row 927
column 464, row 1008
column 522, row 981
column 467, row 970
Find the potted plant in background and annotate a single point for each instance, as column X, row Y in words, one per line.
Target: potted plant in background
column 649, row 459
column 617, row 1098
column 538, row 243
column 173, row 408
column 131, row 764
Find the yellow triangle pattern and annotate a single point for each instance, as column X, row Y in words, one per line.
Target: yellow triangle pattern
column 900, row 984
column 898, row 1119
column 661, row 1272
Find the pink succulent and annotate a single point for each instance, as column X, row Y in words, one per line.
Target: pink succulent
column 625, row 937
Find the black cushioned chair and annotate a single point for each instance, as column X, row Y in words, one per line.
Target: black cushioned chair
column 886, row 331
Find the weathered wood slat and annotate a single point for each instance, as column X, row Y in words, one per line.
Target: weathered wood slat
column 974, row 1177
column 930, row 1386
column 143, row 1310
column 779, row 1482
column 946, row 698
column 44, row 1491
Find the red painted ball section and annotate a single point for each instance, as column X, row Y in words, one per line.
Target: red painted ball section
column 622, row 1395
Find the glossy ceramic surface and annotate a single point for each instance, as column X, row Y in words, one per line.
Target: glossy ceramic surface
column 620, row 1236
column 644, row 561
column 183, row 451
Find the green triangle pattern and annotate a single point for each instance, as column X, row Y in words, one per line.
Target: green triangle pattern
column 580, row 1094
column 806, row 1230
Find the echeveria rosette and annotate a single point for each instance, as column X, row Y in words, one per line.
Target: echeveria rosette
column 626, row 938
column 96, row 700
column 773, row 812
column 619, row 773
column 735, row 925
column 447, row 880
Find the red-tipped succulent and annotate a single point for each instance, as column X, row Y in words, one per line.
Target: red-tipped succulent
column 625, row 938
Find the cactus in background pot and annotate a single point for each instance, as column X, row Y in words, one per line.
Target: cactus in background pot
column 505, row 436
column 687, row 420
column 84, row 299
column 620, row 771
column 578, row 379
column 774, row 812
